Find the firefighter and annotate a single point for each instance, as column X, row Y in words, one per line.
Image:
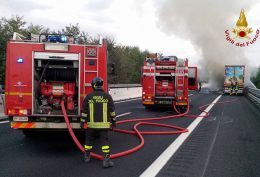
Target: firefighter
column 98, row 111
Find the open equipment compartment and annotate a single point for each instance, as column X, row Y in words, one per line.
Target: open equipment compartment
column 56, row 77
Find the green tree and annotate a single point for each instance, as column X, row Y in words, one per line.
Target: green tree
column 80, row 37
column 135, row 62
column 37, row 29
column 127, row 62
column 73, row 30
column 112, row 61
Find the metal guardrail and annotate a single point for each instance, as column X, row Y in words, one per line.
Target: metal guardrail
column 254, row 95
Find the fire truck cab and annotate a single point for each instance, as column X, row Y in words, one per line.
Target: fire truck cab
column 165, row 81
column 193, row 78
column 40, row 73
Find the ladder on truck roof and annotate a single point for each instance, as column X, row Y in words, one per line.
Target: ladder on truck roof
column 179, row 85
column 179, row 77
column 90, row 67
column 29, row 38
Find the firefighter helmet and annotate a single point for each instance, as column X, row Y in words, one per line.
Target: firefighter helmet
column 97, row 83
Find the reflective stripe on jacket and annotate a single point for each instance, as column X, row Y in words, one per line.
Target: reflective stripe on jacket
column 99, row 108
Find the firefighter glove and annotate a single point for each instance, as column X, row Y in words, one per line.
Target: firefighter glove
column 113, row 122
column 82, row 125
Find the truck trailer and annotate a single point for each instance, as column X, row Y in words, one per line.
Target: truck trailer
column 165, row 81
column 234, row 79
column 41, row 73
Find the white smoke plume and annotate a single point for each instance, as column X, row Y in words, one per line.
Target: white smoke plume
column 204, row 22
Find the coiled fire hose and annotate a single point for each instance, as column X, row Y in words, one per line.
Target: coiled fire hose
column 135, row 131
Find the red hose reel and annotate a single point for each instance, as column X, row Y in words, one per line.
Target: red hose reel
column 55, row 91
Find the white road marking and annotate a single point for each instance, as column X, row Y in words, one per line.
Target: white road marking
column 190, row 94
column 120, row 115
column 210, row 150
column 3, row 122
column 159, row 163
column 229, row 121
column 127, row 100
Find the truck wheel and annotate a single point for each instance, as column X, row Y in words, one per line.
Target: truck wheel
column 147, row 107
column 29, row 133
column 181, row 109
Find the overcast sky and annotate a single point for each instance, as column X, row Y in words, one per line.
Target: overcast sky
column 130, row 22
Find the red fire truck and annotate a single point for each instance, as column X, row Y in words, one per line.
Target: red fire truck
column 165, row 81
column 40, row 73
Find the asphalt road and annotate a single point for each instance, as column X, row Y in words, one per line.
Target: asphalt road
column 224, row 144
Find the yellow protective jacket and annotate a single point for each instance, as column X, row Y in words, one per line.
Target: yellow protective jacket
column 98, row 110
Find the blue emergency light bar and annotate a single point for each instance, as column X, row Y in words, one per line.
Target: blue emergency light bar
column 57, row 38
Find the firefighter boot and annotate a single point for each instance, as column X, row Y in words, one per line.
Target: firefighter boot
column 107, row 161
column 87, row 156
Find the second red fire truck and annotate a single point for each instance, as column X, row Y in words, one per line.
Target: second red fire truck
column 165, row 81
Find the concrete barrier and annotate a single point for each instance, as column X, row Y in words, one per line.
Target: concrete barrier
column 125, row 93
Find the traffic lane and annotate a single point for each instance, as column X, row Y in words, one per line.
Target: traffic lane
column 236, row 149
column 38, row 157
column 53, row 144
column 9, row 138
column 13, row 138
column 182, row 152
column 135, row 164
column 154, row 145
column 138, row 111
column 193, row 158
column 51, row 156
column 196, row 99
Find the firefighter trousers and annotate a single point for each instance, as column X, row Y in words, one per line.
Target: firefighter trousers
column 102, row 135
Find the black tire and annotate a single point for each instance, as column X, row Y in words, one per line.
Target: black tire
column 181, row 109
column 30, row 133
column 147, row 107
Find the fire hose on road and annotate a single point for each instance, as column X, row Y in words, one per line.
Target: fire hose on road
column 135, row 131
